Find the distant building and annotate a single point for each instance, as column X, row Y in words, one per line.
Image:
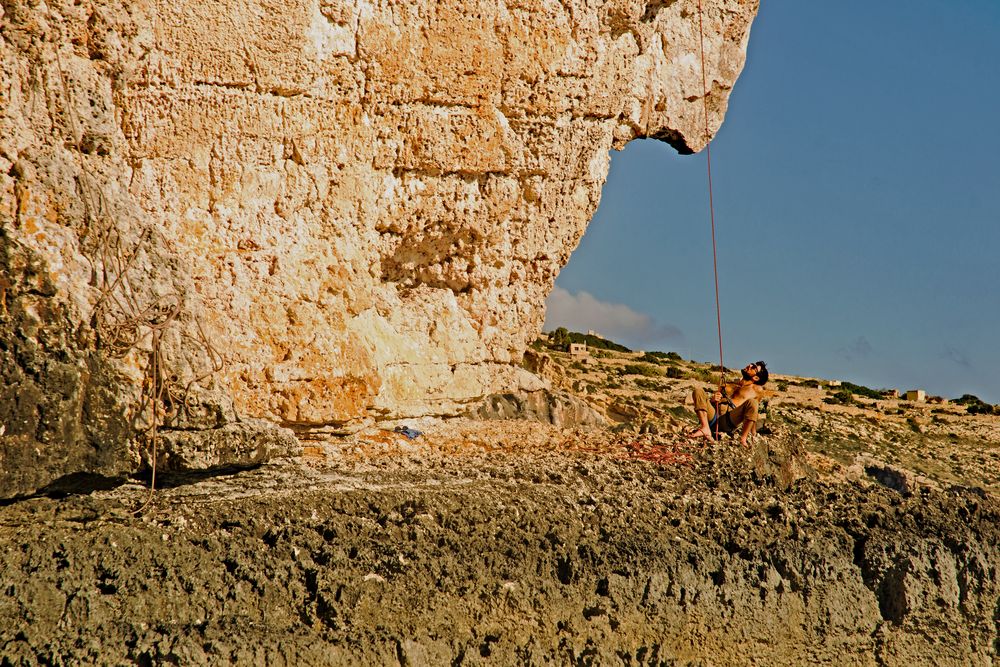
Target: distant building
column 591, row 332
column 578, row 349
column 834, row 383
column 916, row 395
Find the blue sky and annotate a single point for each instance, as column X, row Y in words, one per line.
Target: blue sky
column 857, row 196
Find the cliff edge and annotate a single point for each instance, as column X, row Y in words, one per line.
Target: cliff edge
column 236, row 222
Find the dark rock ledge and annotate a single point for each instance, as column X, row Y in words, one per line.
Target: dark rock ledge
column 494, row 558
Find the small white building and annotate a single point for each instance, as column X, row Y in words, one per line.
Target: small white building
column 916, row 395
column 578, row 349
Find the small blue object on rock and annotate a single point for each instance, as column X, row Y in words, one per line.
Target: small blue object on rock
column 410, row 433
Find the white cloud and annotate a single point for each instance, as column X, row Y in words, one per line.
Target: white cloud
column 615, row 321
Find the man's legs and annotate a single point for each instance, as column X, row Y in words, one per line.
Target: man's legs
column 703, row 408
column 744, row 417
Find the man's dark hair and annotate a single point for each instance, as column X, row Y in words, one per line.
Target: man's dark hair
column 762, row 374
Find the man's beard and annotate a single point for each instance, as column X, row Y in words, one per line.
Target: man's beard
column 746, row 376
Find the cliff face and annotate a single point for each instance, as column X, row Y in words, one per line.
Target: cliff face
column 221, row 217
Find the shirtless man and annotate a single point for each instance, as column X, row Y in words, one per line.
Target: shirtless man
column 736, row 403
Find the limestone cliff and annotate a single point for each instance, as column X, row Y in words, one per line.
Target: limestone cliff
column 228, row 216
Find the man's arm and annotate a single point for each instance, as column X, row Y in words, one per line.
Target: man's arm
column 725, row 395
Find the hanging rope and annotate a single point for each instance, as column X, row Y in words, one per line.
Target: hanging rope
column 711, row 200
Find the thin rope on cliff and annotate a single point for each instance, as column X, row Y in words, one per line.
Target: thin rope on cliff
column 711, row 197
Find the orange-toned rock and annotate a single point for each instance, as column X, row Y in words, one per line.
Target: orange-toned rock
column 321, row 212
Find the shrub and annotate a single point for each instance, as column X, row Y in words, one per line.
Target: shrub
column 680, row 411
column 645, row 383
column 976, row 406
column 642, row 369
column 705, row 375
column 596, row 342
column 674, row 372
column 808, row 384
column 842, row 397
column 662, row 356
column 560, row 338
column 861, row 390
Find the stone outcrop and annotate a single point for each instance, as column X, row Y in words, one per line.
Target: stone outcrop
column 498, row 559
column 315, row 214
column 559, row 408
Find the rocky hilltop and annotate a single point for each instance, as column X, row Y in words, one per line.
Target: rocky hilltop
column 239, row 221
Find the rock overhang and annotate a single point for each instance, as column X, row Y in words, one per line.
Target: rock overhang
column 315, row 214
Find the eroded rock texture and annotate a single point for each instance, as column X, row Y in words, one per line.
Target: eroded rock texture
column 308, row 214
column 496, row 559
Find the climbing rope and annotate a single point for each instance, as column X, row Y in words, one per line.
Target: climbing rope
column 711, row 200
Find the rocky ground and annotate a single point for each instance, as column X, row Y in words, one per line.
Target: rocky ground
column 940, row 442
column 845, row 535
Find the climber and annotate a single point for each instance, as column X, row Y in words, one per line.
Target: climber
column 732, row 406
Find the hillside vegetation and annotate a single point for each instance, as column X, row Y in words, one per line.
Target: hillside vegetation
column 949, row 442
